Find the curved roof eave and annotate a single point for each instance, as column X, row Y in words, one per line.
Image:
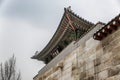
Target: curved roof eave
column 54, row 40
column 40, row 55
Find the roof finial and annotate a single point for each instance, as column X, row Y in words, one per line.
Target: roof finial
column 69, row 8
column 36, row 53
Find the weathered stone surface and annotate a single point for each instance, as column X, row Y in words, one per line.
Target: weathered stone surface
column 89, row 65
column 97, row 61
column 96, row 69
column 92, row 60
column 82, row 75
column 106, row 57
column 111, row 78
column 117, row 77
column 91, row 72
column 103, row 75
column 116, row 57
column 113, row 71
column 91, row 46
column 99, row 53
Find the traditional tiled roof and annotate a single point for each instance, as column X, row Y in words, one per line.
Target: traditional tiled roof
column 80, row 18
column 63, row 32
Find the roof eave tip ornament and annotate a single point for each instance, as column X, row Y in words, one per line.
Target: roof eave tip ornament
column 32, row 57
column 68, row 8
column 36, row 53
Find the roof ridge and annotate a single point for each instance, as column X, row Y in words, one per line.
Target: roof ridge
column 81, row 18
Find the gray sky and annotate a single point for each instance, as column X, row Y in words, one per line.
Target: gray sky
column 27, row 25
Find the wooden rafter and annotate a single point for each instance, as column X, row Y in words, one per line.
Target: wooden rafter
column 70, row 22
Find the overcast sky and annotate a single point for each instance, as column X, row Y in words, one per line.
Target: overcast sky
column 27, row 26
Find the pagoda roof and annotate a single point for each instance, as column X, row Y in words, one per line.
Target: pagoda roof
column 63, row 32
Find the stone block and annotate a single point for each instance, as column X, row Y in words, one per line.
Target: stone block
column 99, row 53
column 111, row 78
column 81, row 69
column 92, row 57
column 107, row 40
column 117, row 77
column 98, row 47
column 97, row 61
column 81, row 63
column 116, row 34
column 116, row 57
column 91, row 72
column 82, row 75
column 106, row 57
column 113, row 71
column 89, row 65
column 107, row 64
column 103, row 75
column 96, row 69
column 90, row 78
column 116, row 50
column 91, row 44
column 96, row 77
column 115, row 42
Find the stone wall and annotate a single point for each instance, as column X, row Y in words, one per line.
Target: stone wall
column 91, row 60
column 62, row 70
column 100, row 60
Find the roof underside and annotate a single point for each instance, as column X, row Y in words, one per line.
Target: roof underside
column 70, row 29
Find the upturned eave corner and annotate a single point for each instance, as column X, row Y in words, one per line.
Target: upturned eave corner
column 69, row 29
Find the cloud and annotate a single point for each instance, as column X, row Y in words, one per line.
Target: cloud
column 35, row 11
column 1, row 1
column 96, row 10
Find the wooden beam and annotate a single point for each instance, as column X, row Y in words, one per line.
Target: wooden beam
column 104, row 32
column 110, row 28
column 114, row 25
column 100, row 34
column 70, row 22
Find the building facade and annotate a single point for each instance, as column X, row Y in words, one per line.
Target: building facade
column 81, row 50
